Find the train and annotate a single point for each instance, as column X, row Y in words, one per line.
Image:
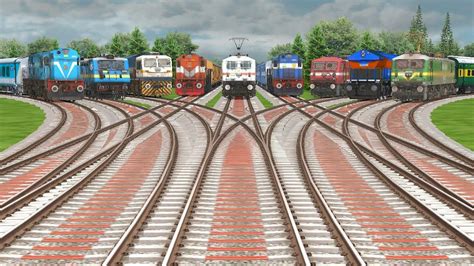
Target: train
column 238, row 76
column 420, row 77
column 151, row 74
column 12, row 71
column 105, row 77
column 195, row 75
column 283, row 75
column 328, row 76
column 369, row 76
column 464, row 69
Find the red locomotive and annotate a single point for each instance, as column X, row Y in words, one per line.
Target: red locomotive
column 328, row 75
column 196, row 75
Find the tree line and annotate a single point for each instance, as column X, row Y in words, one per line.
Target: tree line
column 172, row 44
column 341, row 38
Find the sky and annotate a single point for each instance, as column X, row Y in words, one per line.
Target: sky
column 212, row 22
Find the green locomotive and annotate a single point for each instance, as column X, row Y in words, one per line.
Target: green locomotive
column 420, row 77
column 464, row 73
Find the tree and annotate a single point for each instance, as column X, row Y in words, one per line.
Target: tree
column 369, row 41
column 395, row 42
column 469, row 49
column 340, row 37
column 175, row 44
column 298, row 47
column 430, row 47
column 280, row 49
column 12, row 48
column 119, row 44
column 418, row 33
column 137, row 43
column 448, row 45
column 316, row 47
column 42, row 44
column 86, row 48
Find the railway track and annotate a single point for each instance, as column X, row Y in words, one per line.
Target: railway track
column 97, row 194
column 384, row 222
column 229, row 219
column 316, row 225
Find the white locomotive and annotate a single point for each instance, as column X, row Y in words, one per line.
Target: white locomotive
column 238, row 76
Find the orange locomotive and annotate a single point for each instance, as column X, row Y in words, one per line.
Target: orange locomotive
column 196, row 75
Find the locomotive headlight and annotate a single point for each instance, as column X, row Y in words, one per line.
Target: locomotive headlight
column 80, row 88
column 279, row 85
column 227, row 87
column 299, row 85
column 148, row 86
column 312, row 86
column 198, row 85
column 125, row 87
column 250, row 87
column 349, row 87
column 332, row 86
column 179, row 85
column 55, row 88
column 419, row 89
column 169, row 85
column 373, row 87
column 394, row 89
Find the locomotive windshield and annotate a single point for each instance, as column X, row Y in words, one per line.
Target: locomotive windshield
column 331, row 66
column 231, row 65
column 245, row 65
column 412, row 64
column 318, row 66
column 111, row 64
column 149, row 63
column 164, row 62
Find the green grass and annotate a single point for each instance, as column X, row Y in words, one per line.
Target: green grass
column 266, row 103
column 456, row 120
column 17, row 121
column 144, row 105
column 211, row 103
column 307, row 95
column 171, row 96
column 337, row 105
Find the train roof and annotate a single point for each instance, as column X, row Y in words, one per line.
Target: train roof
column 369, row 55
column 328, row 58
column 462, row 59
column 287, row 56
column 9, row 60
column 238, row 57
column 58, row 52
column 412, row 56
column 158, row 55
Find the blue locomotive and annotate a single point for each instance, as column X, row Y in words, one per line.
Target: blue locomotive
column 106, row 77
column 283, row 75
column 54, row 75
column 12, row 71
column 369, row 74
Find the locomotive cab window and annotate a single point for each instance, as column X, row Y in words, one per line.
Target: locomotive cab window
column 245, row 65
column 231, row 65
column 164, row 62
column 331, row 66
column 149, row 63
column 318, row 66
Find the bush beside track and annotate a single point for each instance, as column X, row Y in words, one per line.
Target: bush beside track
column 266, row 103
column 211, row 103
column 456, row 120
column 17, row 121
column 307, row 95
column 144, row 105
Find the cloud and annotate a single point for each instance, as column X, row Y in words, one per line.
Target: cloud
column 212, row 22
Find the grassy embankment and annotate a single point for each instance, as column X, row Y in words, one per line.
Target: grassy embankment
column 17, row 121
column 144, row 105
column 456, row 120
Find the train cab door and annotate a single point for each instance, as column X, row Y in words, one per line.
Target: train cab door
column 269, row 80
column 208, row 87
